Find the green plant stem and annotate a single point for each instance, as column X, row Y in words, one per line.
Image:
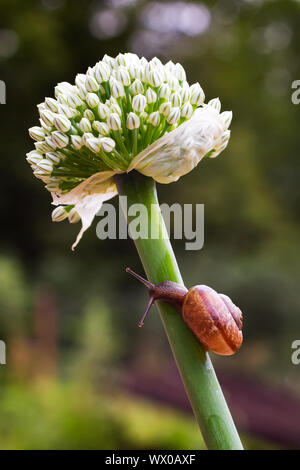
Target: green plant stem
column 197, row 373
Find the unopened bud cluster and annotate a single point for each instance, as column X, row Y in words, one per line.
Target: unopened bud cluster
column 110, row 116
column 111, row 113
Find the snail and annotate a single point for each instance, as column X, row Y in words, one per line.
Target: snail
column 213, row 318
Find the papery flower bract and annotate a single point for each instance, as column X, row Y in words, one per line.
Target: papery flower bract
column 123, row 114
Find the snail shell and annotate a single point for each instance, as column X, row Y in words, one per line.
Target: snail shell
column 214, row 319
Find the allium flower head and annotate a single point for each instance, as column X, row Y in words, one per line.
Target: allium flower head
column 124, row 113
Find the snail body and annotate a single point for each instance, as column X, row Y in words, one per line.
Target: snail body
column 213, row 318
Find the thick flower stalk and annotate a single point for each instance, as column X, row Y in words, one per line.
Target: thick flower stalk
column 126, row 114
column 123, row 114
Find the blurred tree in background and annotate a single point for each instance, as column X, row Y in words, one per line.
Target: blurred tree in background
column 247, row 52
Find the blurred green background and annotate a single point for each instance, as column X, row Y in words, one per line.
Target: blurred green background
column 79, row 374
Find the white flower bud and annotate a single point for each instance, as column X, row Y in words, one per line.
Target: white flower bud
column 82, row 91
column 42, row 175
column 225, row 137
column 92, row 100
column 42, row 146
column 215, row 104
column 107, row 144
column 175, row 100
column 86, row 136
column 156, row 62
column 102, row 72
column 74, row 100
column 137, row 87
column 116, row 88
column 187, row 110
column 73, row 216
column 185, row 94
column 61, row 140
column 90, row 72
column 91, row 84
column 173, row 82
column 53, row 157
column 143, row 62
column 154, row 119
column 121, row 60
column 93, row 144
column 170, row 66
column 174, row 116
column 88, row 114
column 179, row 72
column 46, row 128
column 34, row 157
column 59, row 214
column 197, row 94
column 154, row 78
column 46, row 166
column 51, row 104
column 70, row 113
column 53, row 186
column 85, row 125
column 151, row 96
column 37, row 133
column 115, row 108
column 47, row 117
column 110, row 61
column 132, row 70
column 165, row 91
column 139, row 103
column 50, row 143
column 63, row 87
column 114, row 122
column 165, row 109
column 103, row 111
column 226, row 117
column 62, row 98
column 62, row 123
column 41, row 106
column 131, row 58
column 80, row 80
column 133, row 121
column 100, row 127
column 76, row 141
column 144, row 116
column 123, row 76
